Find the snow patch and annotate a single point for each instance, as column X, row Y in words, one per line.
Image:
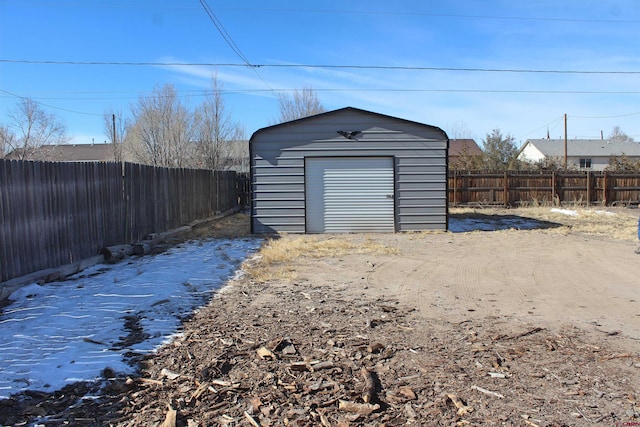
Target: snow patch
column 70, row 331
column 565, row 211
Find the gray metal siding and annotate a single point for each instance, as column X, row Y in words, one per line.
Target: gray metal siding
column 278, row 166
column 421, row 196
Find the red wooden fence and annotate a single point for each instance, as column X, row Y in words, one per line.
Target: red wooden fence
column 512, row 188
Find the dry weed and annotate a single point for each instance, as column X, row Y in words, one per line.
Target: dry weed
column 232, row 226
column 277, row 251
column 615, row 223
column 612, row 222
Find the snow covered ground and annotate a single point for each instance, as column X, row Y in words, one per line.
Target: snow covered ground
column 70, row 331
column 461, row 225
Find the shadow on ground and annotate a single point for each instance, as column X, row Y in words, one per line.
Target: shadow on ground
column 460, row 223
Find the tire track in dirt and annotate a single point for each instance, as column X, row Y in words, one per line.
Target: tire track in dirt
column 535, row 277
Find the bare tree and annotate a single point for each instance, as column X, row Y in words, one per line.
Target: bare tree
column 217, row 135
column 35, row 128
column 622, row 164
column 459, row 130
column 161, row 131
column 115, row 128
column 6, row 140
column 618, row 134
column 299, row 104
column 467, row 161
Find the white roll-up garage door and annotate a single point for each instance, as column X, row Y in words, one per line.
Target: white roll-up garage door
column 345, row 195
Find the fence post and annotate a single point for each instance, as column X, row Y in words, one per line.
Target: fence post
column 605, row 195
column 506, row 189
column 553, row 187
column 588, row 187
column 455, row 189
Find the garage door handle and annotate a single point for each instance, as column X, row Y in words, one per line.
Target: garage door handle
column 389, row 196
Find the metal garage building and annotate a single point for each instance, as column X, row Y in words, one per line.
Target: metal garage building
column 348, row 170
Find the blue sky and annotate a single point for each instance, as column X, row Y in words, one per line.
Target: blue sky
column 411, row 59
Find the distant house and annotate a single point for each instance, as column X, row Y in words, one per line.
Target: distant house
column 68, row 153
column 237, row 156
column 459, row 148
column 230, row 155
column 587, row 154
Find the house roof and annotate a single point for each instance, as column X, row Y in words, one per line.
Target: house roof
column 70, row 153
column 457, row 147
column 585, row 147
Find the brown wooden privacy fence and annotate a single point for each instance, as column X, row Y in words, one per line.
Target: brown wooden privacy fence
column 55, row 213
column 513, row 188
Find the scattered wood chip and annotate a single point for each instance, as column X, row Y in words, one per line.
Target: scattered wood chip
column 150, row 381
column 168, row 374
column 525, row 418
column 369, row 391
column 222, row 383
column 251, row 420
column 199, row 391
column 410, row 412
column 265, row 353
column 375, row 347
column 485, row 391
column 496, row 375
column 408, row 393
column 462, row 408
column 300, row 366
column 523, row 334
column 617, row 356
column 322, row 365
column 289, row 350
column 170, row 418
column 357, row 408
column 275, row 343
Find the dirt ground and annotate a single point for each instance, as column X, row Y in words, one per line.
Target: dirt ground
column 512, row 327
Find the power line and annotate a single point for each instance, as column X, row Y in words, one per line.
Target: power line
column 223, row 32
column 50, row 106
column 345, row 66
column 229, row 40
column 381, row 90
column 605, row 117
column 554, row 121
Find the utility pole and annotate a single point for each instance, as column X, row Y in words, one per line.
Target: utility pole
column 117, row 151
column 113, row 119
column 565, row 141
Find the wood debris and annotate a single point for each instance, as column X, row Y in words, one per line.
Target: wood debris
column 168, row 374
column 358, row 408
column 408, row 393
column 170, row 418
column 485, row 391
column 323, row 354
column 462, row 408
column 265, row 353
column 369, row 391
column 251, row 420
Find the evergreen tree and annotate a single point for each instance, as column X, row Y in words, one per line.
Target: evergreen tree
column 499, row 151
